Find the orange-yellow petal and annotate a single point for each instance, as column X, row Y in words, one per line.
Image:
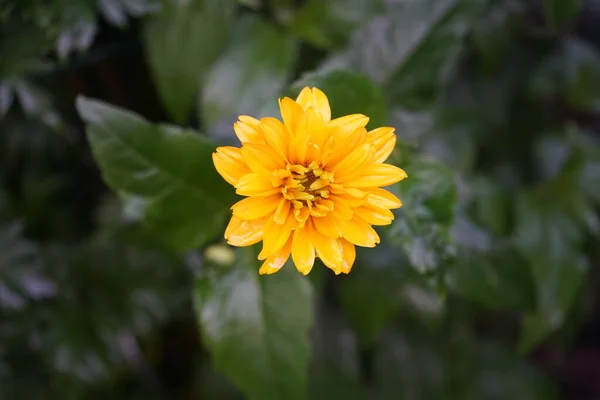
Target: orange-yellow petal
column 262, row 159
column 275, row 135
column 329, row 251
column 383, row 198
column 355, row 164
column 316, row 99
column 378, row 175
column 276, row 235
column 384, row 141
column 230, row 164
column 310, row 124
column 374, row 215
column 255, row 207
column 254, row 184
column 246, row 129
column 326, row 226
column 348, row 123
column 357, row 231
column 348, row 254
column 274, row 263
column 291, row 112
column 244, row 233
column 344, row 146
column 341, row 210
column 303, row 249
column 282, row 211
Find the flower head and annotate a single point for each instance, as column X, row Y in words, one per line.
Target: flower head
column 313, row 184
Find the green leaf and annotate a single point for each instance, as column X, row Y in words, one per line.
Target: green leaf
column 411, row 49
column 494, row 372
column 497, row 279
column 36, row 103
column 572, row 73
column 408, row 364
column 335, row 369
column 328, row 24
column 560, row 13
column 490, row 205
column 348, row 92
column 372, row 296
column 182, row 41
column 551, row 239
column 251, row 72
column 21, row 278
column 552, row 155
column 109, row 290
column 256, row 327
column 412, row 364
column 422, row 225
column 494, row 32
column 169, row 167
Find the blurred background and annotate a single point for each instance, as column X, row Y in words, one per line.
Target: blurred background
column 485, row 287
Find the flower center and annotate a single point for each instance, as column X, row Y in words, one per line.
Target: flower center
column 306, row 187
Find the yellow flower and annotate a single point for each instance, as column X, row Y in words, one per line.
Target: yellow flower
column 313, row 184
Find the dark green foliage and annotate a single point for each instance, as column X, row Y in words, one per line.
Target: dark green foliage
column 115, row 283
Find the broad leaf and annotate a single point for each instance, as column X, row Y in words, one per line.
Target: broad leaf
column 412, row 364
column 551, row 239
column 187, row 202
column 251, row 72
column 372, row 298
column 328, row 24
column 21, row 277
column 182, row 41
column 348, row 92
column 422, row 225
column 559, row 14
column 490, row 205
column 411, row 49
column 256, row 328
column 335, row 367
column 497, row 279
column 571, row 74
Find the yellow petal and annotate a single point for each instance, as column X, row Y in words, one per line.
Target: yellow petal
column 275, row 135
column 282, row 211
column 255, row 207
column 291, row 112
column 326, row 226
column 383, row 198
column 349, row 123
column 230, row 164
column 244, row 233
column 276, row 236
column 349, row 255
column 374, row 215
column 377, row 175
column 329, row 251
column 344, row 146
column 377, row 134
column 316, row 99
column 274, row 263
column 303, row 250
column 262, row 159
column 384, row 141
column 355, row 164
column 310, row 122
column 246, row 129
column 341, row 210
column 349, row 201
column 357, row 231
column 254, row 184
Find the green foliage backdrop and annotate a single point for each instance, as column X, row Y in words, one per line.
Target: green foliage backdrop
column 114, row 278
